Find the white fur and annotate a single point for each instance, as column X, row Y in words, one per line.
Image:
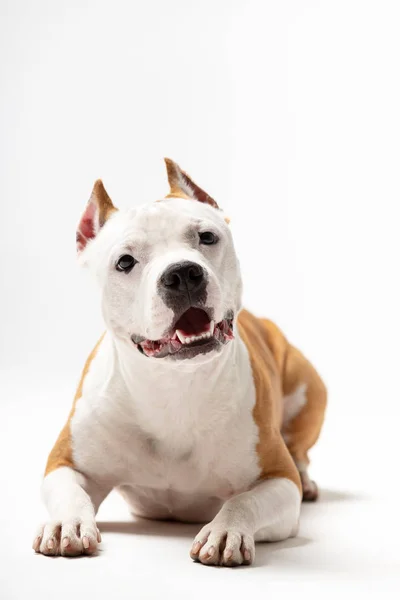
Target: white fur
column 177, row 438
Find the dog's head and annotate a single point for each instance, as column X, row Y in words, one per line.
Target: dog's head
column 168, row 271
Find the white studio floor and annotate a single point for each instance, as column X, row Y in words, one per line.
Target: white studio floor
column 346, row 543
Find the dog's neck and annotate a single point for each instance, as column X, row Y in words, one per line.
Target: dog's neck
column 181, row 382
column 137, row 369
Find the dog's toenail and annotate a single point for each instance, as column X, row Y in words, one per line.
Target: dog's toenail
column 196, row 547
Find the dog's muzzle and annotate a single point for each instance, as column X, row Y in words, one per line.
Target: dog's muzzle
column 183, row 289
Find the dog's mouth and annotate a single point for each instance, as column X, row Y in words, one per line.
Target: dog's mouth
column 194, row 333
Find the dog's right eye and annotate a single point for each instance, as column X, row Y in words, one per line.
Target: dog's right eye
column 125, row 263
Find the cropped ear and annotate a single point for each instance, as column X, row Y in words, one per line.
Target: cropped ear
column 98, row 210
column 182, row 186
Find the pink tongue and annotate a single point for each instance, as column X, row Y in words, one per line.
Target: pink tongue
column 193, row 322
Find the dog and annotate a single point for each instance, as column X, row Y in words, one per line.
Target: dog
column 192, row 408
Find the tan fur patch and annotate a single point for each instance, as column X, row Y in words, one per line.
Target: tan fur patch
column 103, row 201
column 303, row 430
column 274, row 457
column 61, row 454
column 279, row 369
column 182, row 186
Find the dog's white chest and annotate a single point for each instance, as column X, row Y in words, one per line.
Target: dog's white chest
column 192, row 481
column 175, row 443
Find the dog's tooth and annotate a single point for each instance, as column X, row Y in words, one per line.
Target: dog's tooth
column 181, row 337
column 212, row 325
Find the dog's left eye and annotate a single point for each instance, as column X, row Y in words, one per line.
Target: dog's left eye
column 125, row 263
column 208, row 238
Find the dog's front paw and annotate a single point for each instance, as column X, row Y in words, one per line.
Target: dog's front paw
column 227, row 546
column 70, row 537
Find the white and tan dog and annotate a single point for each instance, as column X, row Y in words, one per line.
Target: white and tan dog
column 191, row 408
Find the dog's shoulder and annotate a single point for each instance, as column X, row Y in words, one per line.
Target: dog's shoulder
column 61, row 453
column 265, row 342
column 266, row 347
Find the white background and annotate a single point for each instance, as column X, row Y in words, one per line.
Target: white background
column 288, row 113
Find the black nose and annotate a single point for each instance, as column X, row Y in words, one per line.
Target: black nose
column 183, row 276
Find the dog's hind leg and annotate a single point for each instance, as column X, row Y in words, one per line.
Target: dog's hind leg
column 304, row 405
